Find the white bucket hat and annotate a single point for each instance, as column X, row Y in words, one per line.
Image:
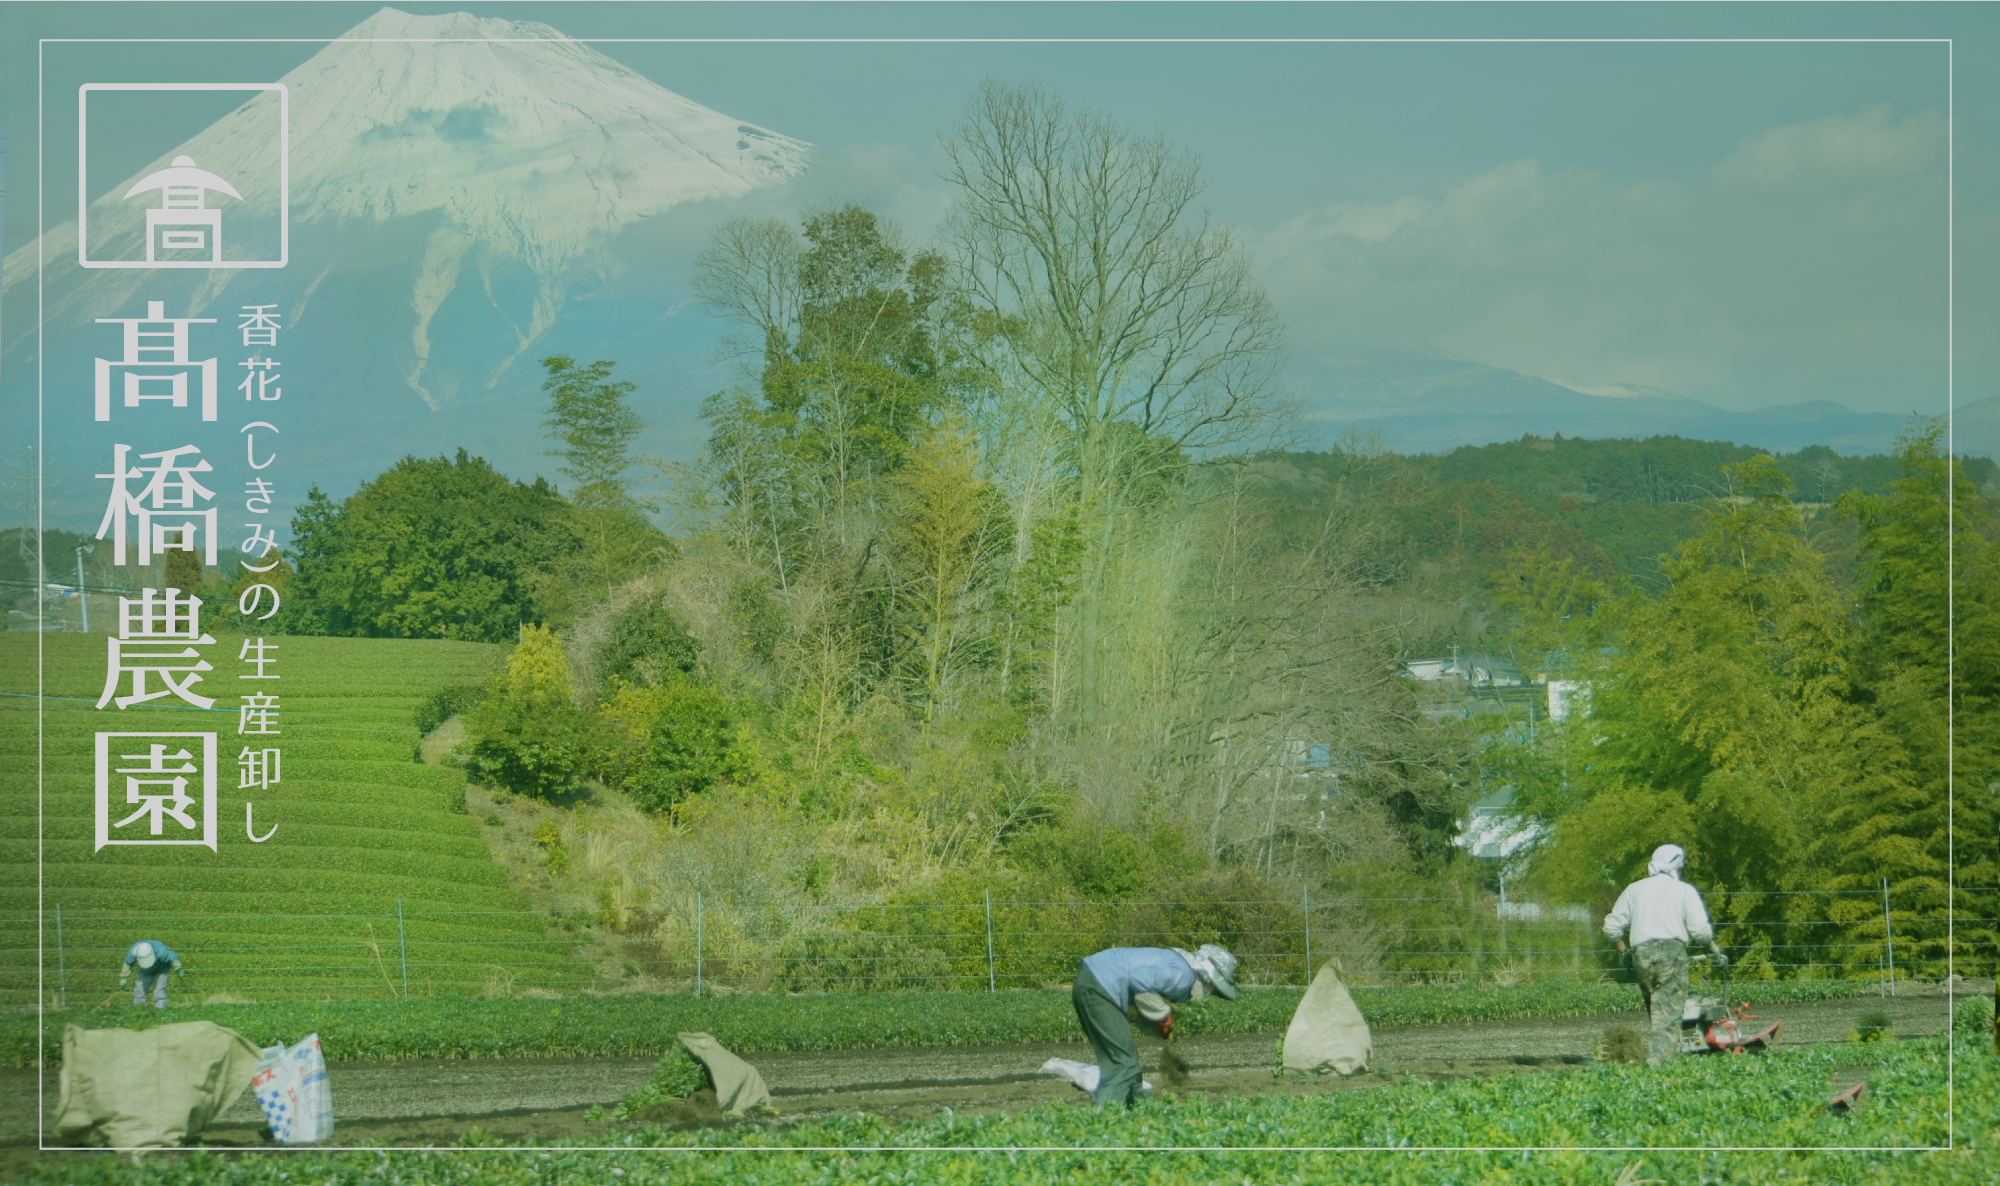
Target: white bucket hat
column 1215, row 965
column 143, row 953
column 1223, row 969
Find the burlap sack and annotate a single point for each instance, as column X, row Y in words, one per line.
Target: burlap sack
column 738, row 1086
column 1328, row 1032
column 144, row 1088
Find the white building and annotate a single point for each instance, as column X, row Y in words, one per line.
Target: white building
column 1567, row 696
column 1478, row 671
column 1494, row 832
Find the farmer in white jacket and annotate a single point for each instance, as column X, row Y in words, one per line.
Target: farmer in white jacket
column 1660, row 917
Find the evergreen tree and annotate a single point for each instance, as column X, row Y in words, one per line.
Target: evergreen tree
column 432, row 548
column 183, row 570
column 589, row 416
column 1897, row 828
column 853, row 368
column 1719, row 723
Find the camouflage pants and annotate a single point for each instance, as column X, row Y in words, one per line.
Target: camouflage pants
column 1661, row 966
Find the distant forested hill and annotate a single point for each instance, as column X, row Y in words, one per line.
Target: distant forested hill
column 1613, row 505
column 1543, row 471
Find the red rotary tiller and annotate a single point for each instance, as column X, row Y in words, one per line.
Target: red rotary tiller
column 1710, row 1026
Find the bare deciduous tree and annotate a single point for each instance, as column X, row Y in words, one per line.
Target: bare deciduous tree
column 1103, row 292
column 1110, row 294
column 749, row 274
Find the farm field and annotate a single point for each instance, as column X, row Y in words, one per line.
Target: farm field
column 466, row 1028
column 1616, row 1117
column 402, row 1101
column 312, row 911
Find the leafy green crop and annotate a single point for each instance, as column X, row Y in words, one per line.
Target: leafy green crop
column 678, row 1076
column 465, row 1027
column 1974, row 1016
column 1601, row 1125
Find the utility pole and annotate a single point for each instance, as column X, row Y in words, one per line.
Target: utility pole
column 1889, row 931
column 82, row 594
column 990, row 981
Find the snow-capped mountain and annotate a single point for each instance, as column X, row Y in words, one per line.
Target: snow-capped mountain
column 1435, row 404
column 1617, row 390
column 465, row 194
column 513, row 144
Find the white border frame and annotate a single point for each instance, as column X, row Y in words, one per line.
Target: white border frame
column 83, row 164
column 1951, row 1087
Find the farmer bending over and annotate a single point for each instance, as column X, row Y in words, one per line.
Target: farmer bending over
column 1662, row 915
column 153, row 960
column 1116, row 979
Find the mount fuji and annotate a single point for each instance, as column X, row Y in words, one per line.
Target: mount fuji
column 1433, row 404
column 462, row 192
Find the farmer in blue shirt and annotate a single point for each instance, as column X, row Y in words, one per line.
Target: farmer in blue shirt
column 153, row 960
column 1120, row 978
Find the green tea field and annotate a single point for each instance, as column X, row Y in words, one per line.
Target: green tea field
column 311, row 911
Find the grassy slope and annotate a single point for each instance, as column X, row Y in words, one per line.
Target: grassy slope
column 359, row 825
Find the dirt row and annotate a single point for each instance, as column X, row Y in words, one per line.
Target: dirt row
column 436, row 1101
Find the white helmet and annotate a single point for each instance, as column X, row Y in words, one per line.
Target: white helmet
column 143, row 953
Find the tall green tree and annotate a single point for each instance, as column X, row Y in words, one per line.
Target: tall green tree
column 432, row 548
column 1719, row 723
column 593, row 427
column 1975, row 690
column 945, row 539
column 846, row 327
column 592, row 423
column 1922, row 554
column 846, row 330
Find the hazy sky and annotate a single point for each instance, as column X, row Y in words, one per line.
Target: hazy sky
column 1749, row 223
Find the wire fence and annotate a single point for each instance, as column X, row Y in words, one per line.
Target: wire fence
column 701, row 946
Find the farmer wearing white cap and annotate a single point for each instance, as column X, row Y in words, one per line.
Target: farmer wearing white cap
column 1148, row 978
column 1660, row 916
column 153, row 961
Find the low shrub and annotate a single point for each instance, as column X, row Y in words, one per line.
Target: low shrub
column 646, row 645
column 1973, row 1016
column 672, row 741
column 446, row 703
column 529, row 735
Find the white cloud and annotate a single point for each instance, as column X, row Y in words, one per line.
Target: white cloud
column 1357, row 220
column 1839, row 148
column 1808, row 264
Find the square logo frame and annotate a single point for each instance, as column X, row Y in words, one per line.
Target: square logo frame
column 215, row 264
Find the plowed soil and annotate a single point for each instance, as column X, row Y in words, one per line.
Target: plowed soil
column 528, row 1100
